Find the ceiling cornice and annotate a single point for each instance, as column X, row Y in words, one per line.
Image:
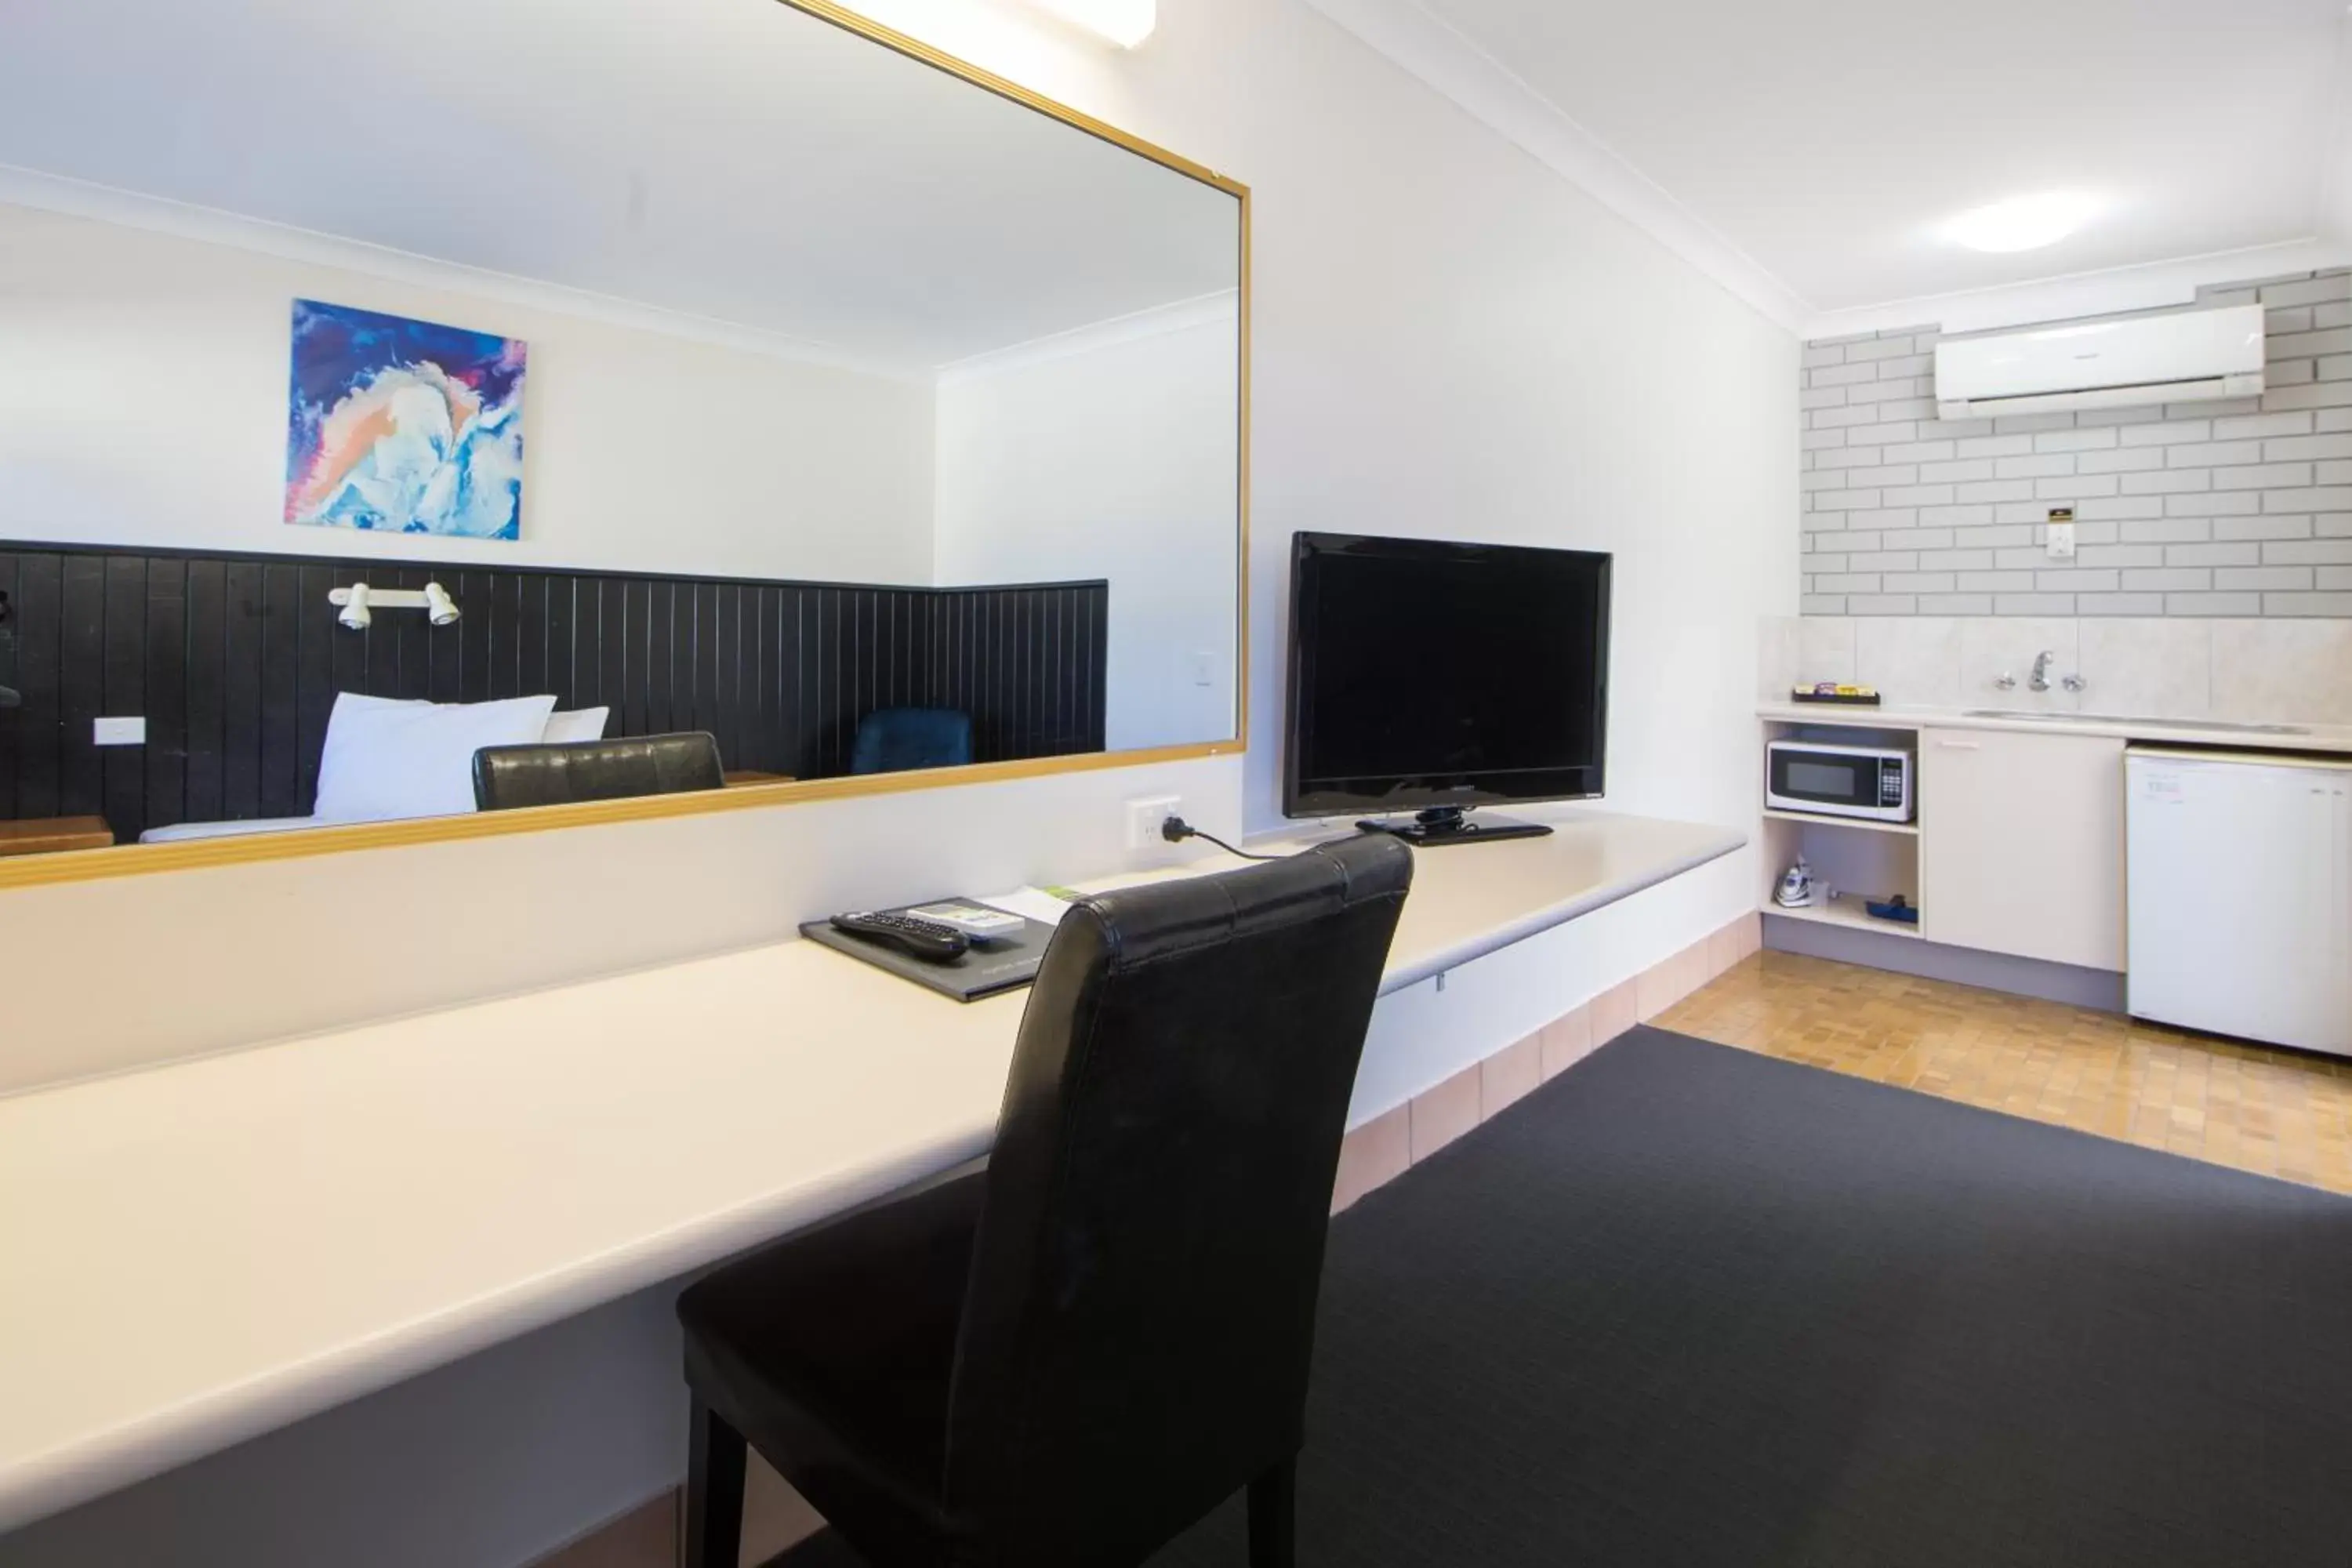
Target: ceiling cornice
column 1431, row 49
column 2149, row 286
column 1209, row 310
column 210, row 225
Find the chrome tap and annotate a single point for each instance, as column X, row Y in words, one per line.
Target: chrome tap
column 2042, row 662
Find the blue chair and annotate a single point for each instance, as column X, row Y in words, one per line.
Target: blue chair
column 895, row 740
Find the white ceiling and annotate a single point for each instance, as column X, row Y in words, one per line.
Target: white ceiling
column 1820, row 142
column 731, row 160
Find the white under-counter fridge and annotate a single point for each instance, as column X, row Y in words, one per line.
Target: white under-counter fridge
column 2240, row 886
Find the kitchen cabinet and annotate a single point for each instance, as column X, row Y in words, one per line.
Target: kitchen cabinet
column 2022, row 844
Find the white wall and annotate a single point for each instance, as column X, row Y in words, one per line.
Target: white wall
column 1448, row 341
column 1115, row 457
column 2232, row 507
column 143, row 401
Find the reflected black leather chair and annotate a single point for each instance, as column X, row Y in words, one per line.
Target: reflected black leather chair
column 898, row 740
column 1067, row 1359
column 506, row 778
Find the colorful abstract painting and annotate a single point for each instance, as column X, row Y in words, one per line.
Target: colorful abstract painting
column 403, row 426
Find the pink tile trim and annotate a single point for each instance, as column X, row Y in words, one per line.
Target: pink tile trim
column 1567, row 1040
column 1723, row 950
column 1510, row 1074
column 1373, row 1155
column 1442, row 1114
column 1614, row 1011
column 1384, row 1148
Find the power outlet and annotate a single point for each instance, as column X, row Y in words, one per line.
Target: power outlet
column 1143, row 820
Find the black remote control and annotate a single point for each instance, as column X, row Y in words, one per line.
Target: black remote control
column 926, row 940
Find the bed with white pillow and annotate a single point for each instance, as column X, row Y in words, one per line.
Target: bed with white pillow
column 386, row 759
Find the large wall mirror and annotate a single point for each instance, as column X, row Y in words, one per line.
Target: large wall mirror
column 389, row 395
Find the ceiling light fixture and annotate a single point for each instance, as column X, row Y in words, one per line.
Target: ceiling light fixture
column 2021, row 223
column 1126, row 23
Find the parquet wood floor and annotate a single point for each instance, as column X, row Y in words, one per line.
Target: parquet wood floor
column 2277, row 1112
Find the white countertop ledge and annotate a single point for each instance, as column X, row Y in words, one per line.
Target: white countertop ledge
column 198, row 1253
column 2167, row 732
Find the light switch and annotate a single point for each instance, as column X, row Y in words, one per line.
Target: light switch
column 118, row 731
column 1205, row 670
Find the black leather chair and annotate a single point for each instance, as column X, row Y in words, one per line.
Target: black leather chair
column 898, row 740
column 506, row 778
column 1066, row 1360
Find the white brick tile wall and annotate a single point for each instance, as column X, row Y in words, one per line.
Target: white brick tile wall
column 2236, row 508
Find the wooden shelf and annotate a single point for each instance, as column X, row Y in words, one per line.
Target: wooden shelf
column 1844, row 912
column 1864, row 824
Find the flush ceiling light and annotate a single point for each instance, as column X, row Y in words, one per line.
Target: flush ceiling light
column 2022, row 223
column 1126, row 23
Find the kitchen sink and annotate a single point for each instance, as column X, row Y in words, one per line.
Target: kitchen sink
column 2221, row 725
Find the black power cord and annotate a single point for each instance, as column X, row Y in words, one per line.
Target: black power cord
column 1175, row 829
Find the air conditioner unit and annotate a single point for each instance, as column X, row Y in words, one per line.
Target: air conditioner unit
column 2182, row 357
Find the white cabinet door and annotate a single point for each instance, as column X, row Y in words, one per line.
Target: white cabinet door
column 2022, row 844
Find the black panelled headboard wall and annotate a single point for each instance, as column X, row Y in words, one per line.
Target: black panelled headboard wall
column 234, row 660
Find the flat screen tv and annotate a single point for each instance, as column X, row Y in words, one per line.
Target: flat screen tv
column 1433, row 677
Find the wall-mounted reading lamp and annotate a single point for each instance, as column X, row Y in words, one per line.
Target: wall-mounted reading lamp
column 360, row 602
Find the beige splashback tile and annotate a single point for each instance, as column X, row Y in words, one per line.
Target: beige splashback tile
column 1779, row 639
column 2283, row 671
column 1995, row 646
column 1824, row 649
column 2162, row 669
column 1912, row 661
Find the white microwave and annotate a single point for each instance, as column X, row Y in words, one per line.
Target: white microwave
column 1873, row 781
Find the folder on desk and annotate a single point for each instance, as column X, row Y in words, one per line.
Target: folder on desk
column 998, row 963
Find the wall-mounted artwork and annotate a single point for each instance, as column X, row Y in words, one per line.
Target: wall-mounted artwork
column 403, row 426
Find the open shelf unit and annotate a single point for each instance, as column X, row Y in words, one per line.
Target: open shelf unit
column 1844, row 910
column 1858, row 823
column 1858, row 858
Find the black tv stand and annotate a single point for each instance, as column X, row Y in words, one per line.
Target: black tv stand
column 1442, row 825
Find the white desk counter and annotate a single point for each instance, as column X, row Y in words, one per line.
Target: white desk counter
column 198, row 1253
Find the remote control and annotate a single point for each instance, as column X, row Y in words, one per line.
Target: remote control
column 926, row 940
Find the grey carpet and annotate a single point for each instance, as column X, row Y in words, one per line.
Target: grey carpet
column 1685, row 1305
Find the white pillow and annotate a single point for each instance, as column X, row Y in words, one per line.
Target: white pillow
column 386, row 759
column 580, row 724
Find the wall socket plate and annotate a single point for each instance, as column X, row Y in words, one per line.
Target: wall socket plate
column 1143, row 820
column 118, row 731
column 2060, row 542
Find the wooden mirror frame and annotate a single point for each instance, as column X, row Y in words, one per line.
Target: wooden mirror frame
column 137, row 859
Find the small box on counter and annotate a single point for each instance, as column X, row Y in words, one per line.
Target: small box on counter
column 1830, row 692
